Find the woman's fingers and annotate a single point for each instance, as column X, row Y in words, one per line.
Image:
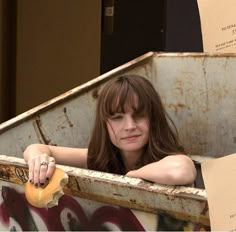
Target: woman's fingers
column 42, row 172
column 41, row 169
column 51, row 168
column 36, row 172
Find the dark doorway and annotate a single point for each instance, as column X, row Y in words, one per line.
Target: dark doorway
column 135, row 28
column 182, row 26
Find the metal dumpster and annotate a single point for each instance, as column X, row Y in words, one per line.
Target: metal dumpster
column 198, row 91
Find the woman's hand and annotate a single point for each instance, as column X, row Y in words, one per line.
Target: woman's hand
column 41, row 160
column 41, row 168
column 41, row 163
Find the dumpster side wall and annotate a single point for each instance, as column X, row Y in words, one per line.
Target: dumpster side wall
column 67, row 119
column 199, row 93
column 76, row 214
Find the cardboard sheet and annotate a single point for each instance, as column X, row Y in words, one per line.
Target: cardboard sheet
column 219, row 177
column 218, row 24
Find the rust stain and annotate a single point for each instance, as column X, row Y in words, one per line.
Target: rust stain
column 117, row 194
column 176, row 107
column 181, row 105
column 132, row 200
column 95, row 93
column 5, row 173
column 220, row 91
column 39, row 131
column 67, row 118
column 73, row 188
column 206, row 86
column 205, row 210
column 179, row 86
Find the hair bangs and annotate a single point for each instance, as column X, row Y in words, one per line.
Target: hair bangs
column 122, row 97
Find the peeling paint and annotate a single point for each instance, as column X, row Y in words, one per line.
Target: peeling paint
column 183, row 203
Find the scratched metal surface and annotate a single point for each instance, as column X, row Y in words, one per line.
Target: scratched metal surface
column 66, row 120
column 199, row 93
column 183, row 203
column 198, row 90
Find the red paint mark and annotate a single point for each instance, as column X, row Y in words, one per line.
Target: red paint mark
column 15, row 205
column 4, row 216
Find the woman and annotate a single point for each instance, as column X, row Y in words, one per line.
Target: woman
column 132, row 135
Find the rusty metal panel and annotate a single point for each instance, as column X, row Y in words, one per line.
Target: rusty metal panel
column 72, row 214
column 199, row 92
column 66, row 120
column 177, row 202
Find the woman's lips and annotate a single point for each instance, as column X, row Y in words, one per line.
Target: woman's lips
column 130, row 137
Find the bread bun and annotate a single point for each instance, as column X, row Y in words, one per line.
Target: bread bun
column 47, row 197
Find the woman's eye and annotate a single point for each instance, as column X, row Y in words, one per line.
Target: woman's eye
column 116, row 117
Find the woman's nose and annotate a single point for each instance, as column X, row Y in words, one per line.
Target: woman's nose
column 129, row 123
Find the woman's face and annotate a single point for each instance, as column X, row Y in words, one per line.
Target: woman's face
column 128, row 131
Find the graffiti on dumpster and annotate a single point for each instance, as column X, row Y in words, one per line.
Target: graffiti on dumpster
column 15, row 206
column 22, row 174
column 4, row 174
column 75, row 215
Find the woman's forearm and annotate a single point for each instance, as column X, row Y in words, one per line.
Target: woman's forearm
column 172, row 170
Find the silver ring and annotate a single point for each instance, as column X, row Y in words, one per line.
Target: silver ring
column 43, row 163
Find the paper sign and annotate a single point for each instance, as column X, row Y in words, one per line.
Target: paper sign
column 218, row 24
column 219, row 177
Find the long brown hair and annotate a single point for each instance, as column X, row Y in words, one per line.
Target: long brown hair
column 120, row 91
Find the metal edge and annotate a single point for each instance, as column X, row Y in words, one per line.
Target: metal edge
column 15, row 170
column 74, row 92
column 193, row 54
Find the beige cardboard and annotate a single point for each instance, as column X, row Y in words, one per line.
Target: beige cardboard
column 219, row 176
column 218, row 23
